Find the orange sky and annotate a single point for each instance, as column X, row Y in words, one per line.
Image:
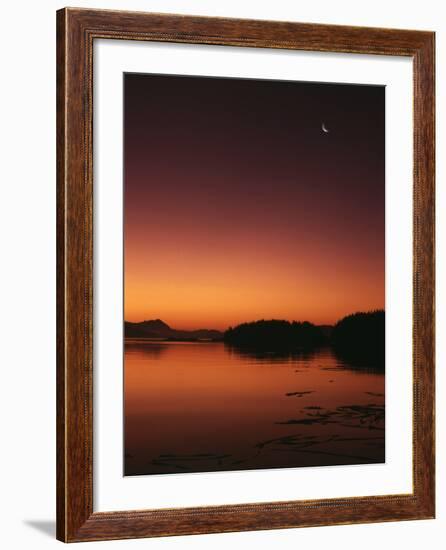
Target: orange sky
column 245, row 284
column 238, row 207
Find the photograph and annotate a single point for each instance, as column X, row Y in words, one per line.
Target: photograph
column 254, row 274
column 245, row 274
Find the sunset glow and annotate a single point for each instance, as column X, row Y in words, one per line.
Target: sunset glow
column 239, row 207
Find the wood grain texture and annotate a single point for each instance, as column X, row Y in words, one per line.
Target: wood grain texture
column 76, row 31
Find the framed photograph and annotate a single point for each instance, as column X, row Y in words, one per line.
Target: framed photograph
column 245, row 275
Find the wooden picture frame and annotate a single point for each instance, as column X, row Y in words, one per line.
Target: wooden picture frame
column 76, row 31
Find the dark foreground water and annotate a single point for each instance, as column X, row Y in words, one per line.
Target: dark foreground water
column 200, row 407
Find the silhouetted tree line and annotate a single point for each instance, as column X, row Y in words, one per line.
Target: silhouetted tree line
column 275, row 335
column 358, row 338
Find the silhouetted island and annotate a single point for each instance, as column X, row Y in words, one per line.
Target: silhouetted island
column 360, row 338
column 276, row 335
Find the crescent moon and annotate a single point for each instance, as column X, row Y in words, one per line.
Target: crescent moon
column 324, row 128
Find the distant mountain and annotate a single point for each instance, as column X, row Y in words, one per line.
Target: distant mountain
column 158, row 329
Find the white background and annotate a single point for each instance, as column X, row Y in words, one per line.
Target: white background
column 27, row 215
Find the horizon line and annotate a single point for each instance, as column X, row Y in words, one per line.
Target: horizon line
column 200, row 327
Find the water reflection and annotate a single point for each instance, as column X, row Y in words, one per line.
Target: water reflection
column 367, row 362
column 344, row 360
column 265, row 356
column 144, row 347
column 201, row 407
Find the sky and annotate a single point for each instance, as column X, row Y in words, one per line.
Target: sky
column 238, row 206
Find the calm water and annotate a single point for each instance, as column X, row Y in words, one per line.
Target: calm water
column 196, row 407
